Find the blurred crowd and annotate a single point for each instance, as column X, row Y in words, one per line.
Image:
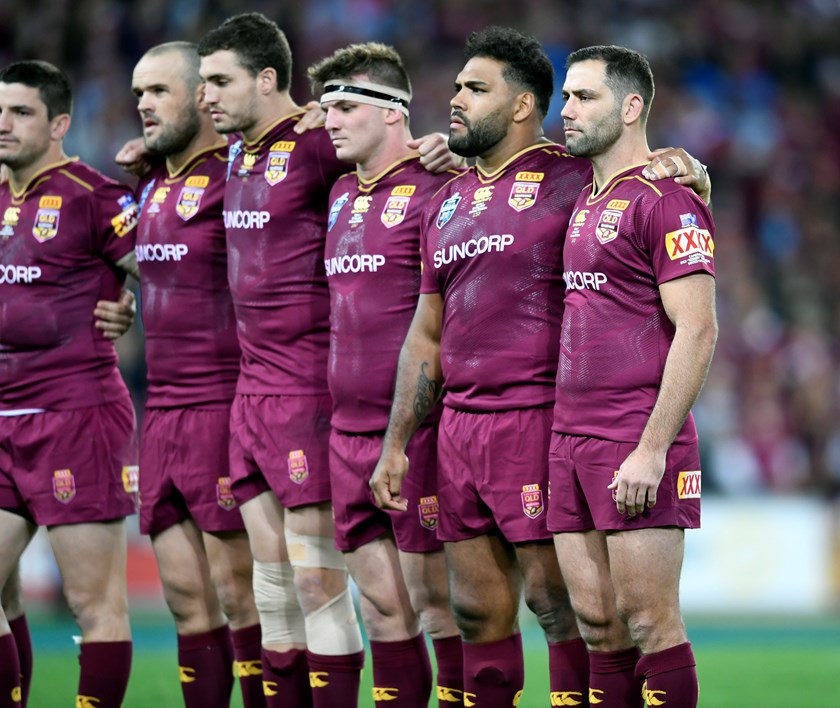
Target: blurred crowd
column 751, row 88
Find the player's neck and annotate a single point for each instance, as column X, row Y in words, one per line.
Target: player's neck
column 206, row 138
column 513, row 143
column 623, row 154
column 390, row 151
column 20, row 178
column 272, row 108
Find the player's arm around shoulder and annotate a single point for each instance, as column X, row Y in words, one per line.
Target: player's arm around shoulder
column 418, row 388
column 683, row 167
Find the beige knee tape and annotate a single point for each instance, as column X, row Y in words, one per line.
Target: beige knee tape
column 313, row 552
column 333, row 630
column 281, row 619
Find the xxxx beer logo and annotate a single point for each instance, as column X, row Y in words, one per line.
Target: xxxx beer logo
column 566, row 698
column 690, row 245
column 688, row 485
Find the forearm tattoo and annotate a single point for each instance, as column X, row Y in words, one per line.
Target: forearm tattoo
column 428, row 392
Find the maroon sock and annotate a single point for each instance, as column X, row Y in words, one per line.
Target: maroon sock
column 568, row 668
column 449, row 655
column 612, row 680
column 494, row 672
column 286, row 679
column 105, row 667
column 402, row 673
column 10, row 692
column 20, row 631
column 670, row 674
column 247, row 652
column 335, row 679
column 204, row 662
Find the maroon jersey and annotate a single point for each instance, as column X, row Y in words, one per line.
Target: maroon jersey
column 192, row 352
column 59, row 240
column 372, row 261
column 275, row 214
column 492, row 247
column 621, row 245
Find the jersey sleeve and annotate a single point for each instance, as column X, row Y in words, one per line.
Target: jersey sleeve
column 115, row 215
column 428, row 281
column 680, row 237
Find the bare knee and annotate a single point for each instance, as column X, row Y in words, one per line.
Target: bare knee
column 315, row 587
column 235, row 592
column 553, row 611
column 654, row 628
column 430, row 601
column 101, row 616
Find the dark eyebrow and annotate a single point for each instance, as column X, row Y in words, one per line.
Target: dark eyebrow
column 473, row 83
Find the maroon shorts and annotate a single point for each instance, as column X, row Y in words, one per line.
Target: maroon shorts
column 582, row 469
column 493, row 472
column 357, row 519
column 70, row 467
column 184, row 470
column 281, row 443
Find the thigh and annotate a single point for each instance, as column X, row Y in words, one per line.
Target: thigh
column 484, row 586
column 645, row 567
column 229, row 554
column 15, row 534
column 265, row 523
column 182, row 559
column 92, row 560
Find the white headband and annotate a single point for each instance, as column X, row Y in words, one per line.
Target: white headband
column 365, row 92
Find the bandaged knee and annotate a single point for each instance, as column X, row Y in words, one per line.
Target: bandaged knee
column 313, row 552
column 281, row 619
column 333, row 630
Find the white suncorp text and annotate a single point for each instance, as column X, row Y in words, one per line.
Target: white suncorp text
column 160, row 252
column 13, row 274
column 246, row 219
column 472, row 248
column 583, row 280
column 357, row 263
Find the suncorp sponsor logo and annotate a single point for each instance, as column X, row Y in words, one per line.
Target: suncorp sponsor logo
column 246, row 219
column 357, row 263
column 583, row 280
column 472, row 248
column 160, row 252
column 14, row 274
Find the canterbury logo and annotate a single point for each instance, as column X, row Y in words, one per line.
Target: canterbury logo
column 269, row 688
column 566, row 698
column 242, row 669
column 517, row 698
column 385, row 694
column 449, row 695
column 316, row 680
column 86, row 702
column 186, row 674
column 595, row 696
column 469, row 699
column 653, row 698
column 17, row 694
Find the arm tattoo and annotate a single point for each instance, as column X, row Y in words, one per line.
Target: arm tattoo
column 428, row 392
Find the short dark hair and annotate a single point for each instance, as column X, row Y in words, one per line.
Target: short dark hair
column 258, row 42
column 51, row 82
column 381, row 63
column 526, row 62
column 188, row 52
column 626, row 71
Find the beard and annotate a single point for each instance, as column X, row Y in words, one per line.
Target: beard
column 480, row 136
column 598, row 138
column 176, row 137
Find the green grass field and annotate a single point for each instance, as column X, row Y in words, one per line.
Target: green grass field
column 741, row 664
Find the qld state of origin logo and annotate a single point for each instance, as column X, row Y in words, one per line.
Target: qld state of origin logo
column 428, row 509
column 532, row 500
column 298, row 466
